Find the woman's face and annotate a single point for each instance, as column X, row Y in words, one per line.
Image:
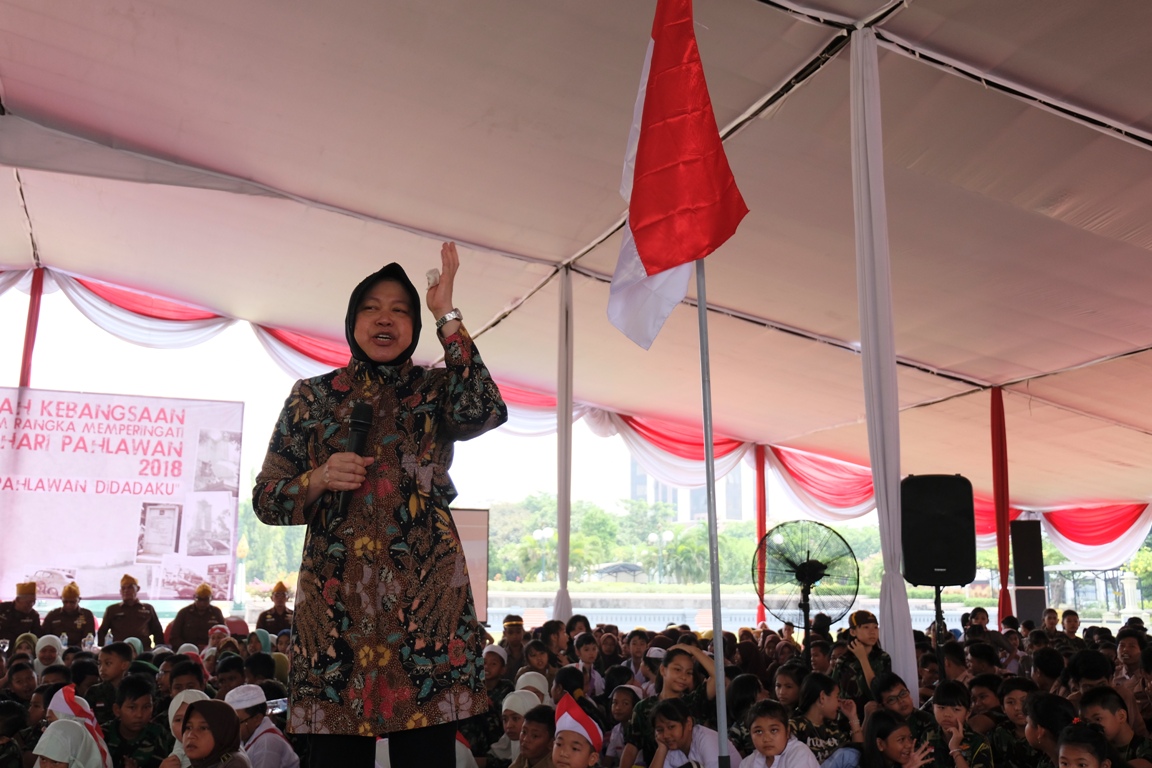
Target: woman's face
column 178, row 722
column 1076, row 756
column 513, row 724
column 35, row 709
column 674, row 735
column 623, row 703
column 538, row 660
column 254, row 645
column 787, row 692
column 899, row 745
column 384, row 322
column 47, row 655
column 197, row 737
column 678, row 675
column 830, row 704
column 608, row 645
column 769, row 736
column 637, row 646
column 1032, row 733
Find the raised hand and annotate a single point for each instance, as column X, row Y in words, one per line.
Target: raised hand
column 439, row 296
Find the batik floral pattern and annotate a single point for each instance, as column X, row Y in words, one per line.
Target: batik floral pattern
column 385, row 636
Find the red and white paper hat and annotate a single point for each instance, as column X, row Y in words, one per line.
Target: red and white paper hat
column 570, row 717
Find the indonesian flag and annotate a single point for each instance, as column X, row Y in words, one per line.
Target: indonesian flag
column 682, row 198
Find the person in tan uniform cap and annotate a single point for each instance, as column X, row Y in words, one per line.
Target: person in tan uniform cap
column 70, row 619
column 192, row 622
column 131, row 618
column 279, row 616
column 18, row 616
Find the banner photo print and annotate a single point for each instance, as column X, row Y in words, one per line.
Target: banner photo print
column 94, row 486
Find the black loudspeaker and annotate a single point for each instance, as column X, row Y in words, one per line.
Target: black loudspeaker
column 1027, row 555
column 1029, row 603
column 938, row 531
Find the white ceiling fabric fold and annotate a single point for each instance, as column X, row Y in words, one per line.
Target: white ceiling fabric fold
column 259, row 158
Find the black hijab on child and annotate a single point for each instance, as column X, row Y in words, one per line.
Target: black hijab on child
column 393, row 273
column 224, row 724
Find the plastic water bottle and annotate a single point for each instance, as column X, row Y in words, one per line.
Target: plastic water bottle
column 63, row 640
column 108, row 638
column 89, row 642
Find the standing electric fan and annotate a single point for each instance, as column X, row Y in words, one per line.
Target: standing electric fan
column 808, row 567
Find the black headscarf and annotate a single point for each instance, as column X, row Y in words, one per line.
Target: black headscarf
column 394, row 273
column 224, row 724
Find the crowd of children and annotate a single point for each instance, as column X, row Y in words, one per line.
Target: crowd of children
column 121, row 706
column 571, row 695
column 1024, row 697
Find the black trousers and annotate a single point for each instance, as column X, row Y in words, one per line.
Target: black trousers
column 431, row 747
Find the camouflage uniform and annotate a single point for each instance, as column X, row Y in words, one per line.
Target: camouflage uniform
column 148, row 749
column 823, row 740
column 849, row 675
column 101, row 697
column 10, row 755
column 741, row 737
column 1140, row 748
column 976, row 750
column 1008, row 749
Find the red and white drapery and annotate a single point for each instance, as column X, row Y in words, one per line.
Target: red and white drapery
column 1091, row 535
column 828, row 489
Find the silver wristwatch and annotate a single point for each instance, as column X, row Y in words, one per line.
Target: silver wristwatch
column 453, row 315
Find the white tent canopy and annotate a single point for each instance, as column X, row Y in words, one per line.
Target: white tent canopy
column 259, row 158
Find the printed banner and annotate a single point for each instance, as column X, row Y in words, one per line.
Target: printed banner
column 94, row 486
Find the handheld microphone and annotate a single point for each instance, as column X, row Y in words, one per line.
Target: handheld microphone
column 359, row 423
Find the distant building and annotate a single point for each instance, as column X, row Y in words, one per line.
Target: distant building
column 691, row 504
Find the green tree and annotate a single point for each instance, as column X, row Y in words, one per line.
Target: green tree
column 596, row 524
column 864, row 540
column 687, row 557
column 274, row 551
column 531, row 554
column 641, row 518
column 736, row 564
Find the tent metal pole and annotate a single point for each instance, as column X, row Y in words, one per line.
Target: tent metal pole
column 761, row 523
column 713, row 542
column 562, row 608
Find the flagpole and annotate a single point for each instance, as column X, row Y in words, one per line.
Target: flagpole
column 713, row 543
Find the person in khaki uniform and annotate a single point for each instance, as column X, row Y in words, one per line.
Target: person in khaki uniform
column 70, row 619
column 18, row 616
column 279, row 616
column 192, row 622
column 131, row 618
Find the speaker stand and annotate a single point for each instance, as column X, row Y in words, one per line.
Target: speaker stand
column 941, row 631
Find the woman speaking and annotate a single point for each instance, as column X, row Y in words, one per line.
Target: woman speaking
column 385, row 640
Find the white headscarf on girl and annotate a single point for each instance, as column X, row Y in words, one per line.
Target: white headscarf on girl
column 68, row 742
column 66, row 705
column 184, row 697
column 538, row 683
column 48, row 640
